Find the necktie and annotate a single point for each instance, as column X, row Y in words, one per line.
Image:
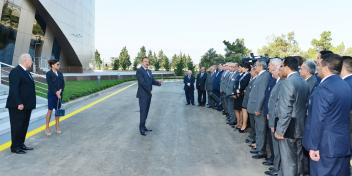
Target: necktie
column 29, row 74
column 148, row 72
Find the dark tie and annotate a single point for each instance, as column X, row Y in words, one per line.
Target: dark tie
column 148, row 72
column 29, row 74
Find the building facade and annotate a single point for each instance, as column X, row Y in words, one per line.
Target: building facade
column 47, row 29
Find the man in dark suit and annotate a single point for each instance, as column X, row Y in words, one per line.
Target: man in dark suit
column 255, row 108
column 274, row 67
column 188, row 80
column 200, row 84
column 292, row 109
column 308, row 69
column 327, row 129
column 346, row 72
column 346, row 75
column 20, row 103
column 216, row 87
column 209, row 86
column 144, row 93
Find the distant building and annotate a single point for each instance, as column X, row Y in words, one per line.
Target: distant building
column 60, row 29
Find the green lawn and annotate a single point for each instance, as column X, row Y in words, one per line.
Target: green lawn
column 77, row 89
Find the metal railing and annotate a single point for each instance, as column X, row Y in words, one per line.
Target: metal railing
column 41, row 87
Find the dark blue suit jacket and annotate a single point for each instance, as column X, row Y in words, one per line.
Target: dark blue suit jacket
column 22, row 89
column 327, row 127
column 55, row 83
column 349, row 80
column 271, row 84
column 145, row 82
column 217, row 81
column 186, row 80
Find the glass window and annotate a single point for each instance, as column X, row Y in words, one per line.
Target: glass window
column 56, row 50
column 38, row 33
column 8, row 31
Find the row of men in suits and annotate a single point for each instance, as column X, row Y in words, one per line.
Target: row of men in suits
column 298, row 111
column 189, row 81
column 303, row 118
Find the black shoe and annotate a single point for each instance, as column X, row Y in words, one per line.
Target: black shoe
column 147, row 130
column 248, row 141
column 26, row 148
column 242, row 131
column 259, row 156
column 143, row 133
column 18, row 151
column 188, row 104
column 271, row 172
column 253, row 152
column 192, row 104
column 271, row 168
column 268, row 163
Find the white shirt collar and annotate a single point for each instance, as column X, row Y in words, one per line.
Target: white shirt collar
column 326, row 78
column 347, row 76
column 308, row 77
column 24, row 68
column 261, row 72
column 290, row 74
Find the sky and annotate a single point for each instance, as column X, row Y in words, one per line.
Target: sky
column 194, row 26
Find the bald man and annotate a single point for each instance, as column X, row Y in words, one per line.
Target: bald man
column 20, row 103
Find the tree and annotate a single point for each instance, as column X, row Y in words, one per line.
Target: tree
column 281, row 46
column 124, row 59
column 157, row 62
column 235, row 51
column 211, row 58
column 179, row 68
column 115, row 63
column 98, row 60
column 189, row 63
column 324, row 43
column 163, row 61
column 141, row 54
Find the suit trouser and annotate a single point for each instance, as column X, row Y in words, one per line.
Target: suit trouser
column 19, row 121
column 223, row 101
column 260, row 133
column 144, row 105
column 217, row 97
column 211, row 101
column 252, row 133
column 189, row 96
column 269, row 141
column 290, row 159
column 328, row 166
column 202, row 97
column 230, row 109
column 276, row 149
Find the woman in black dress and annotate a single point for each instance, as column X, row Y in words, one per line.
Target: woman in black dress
column 243, row 82
column 56, row 85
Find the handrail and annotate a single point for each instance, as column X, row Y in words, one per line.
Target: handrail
column 38, row 83
column 32, row 73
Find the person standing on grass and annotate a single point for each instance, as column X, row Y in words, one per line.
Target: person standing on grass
column 56, row 85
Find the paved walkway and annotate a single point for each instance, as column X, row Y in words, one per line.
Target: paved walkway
column 104, row 140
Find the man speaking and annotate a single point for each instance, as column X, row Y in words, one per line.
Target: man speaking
column 144, row 92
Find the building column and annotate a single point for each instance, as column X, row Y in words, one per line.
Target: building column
column 1, row 6
column 24, row 32
column 47, row 45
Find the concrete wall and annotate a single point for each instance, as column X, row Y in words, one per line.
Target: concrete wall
column 1, row 5
column 24, row 32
